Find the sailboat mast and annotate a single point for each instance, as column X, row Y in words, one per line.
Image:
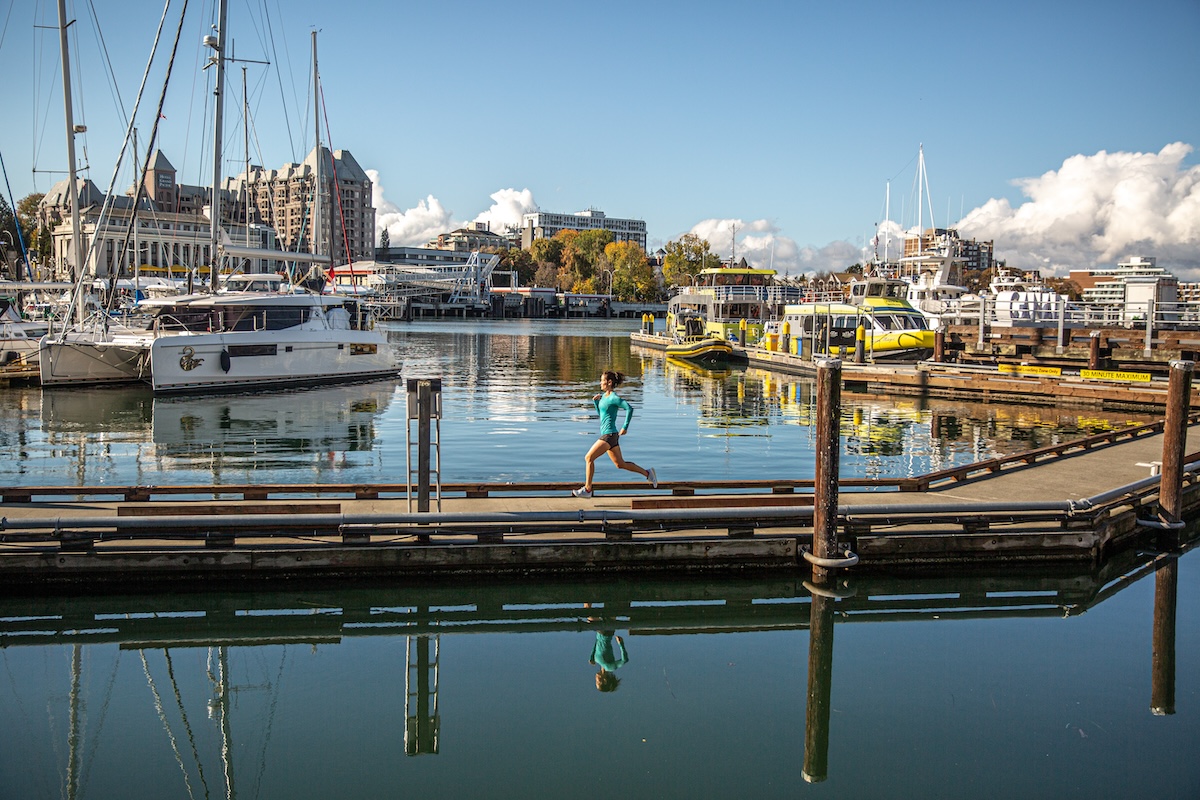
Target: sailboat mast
column 317, row 222
column 218, row 132
column 76, row 228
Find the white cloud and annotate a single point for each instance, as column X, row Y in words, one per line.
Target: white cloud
column 415, row 227
column 1097, row 210
column 508, row 208
column 761, row 244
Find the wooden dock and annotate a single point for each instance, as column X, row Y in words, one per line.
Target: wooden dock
column 1079, row 502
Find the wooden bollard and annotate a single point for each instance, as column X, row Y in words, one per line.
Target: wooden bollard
column 860, row 335
column 742, row 331
column 1162, row 667
column 820, row 681
column 825, row 485
column 1170, row 490
column 939, row 345
column 1094, row 351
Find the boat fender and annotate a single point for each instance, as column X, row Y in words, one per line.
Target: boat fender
column 225, row 361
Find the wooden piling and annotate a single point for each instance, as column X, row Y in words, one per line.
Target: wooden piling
column 1170, row 493
column 1094, row 350
column 939, row 345
column 825, row 487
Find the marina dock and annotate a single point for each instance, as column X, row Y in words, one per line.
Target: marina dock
column 1078, row 502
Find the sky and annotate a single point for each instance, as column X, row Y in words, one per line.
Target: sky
column 785, row 132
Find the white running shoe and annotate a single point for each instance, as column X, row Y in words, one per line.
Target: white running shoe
column 581, row 492
column 653, row 478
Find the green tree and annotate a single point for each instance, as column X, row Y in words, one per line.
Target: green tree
column 546, row 251
column 632, row 277
column 385, row 240
column 686, row 257
column 521, row 262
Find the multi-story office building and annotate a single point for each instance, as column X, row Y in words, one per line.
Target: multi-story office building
column 544, row 225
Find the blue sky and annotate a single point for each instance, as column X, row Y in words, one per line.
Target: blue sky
column 1063, row 131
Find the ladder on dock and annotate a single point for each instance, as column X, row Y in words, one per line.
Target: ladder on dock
column 425, row 409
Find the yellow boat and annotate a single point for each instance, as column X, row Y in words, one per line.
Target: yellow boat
column 701, row 348
column 892, row 328
column 729, row 301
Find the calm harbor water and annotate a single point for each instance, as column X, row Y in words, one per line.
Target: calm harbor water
column 516, row 407
column 988, row 686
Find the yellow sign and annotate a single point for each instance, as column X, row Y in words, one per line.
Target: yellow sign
column 1022, row 369
column 1109, row 375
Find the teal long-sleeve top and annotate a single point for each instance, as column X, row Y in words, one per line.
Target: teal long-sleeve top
column 607, row 407
column 608, row 653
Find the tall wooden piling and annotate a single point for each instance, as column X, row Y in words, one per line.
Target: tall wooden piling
column 939, row 345
column 1170, row 493
column 820, row 681
column 825, row 487
column 1094, row 350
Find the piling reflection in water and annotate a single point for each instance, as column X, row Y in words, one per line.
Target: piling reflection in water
column 336, row 672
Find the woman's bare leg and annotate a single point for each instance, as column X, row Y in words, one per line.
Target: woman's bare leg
column 615, row 454
column 589, row 461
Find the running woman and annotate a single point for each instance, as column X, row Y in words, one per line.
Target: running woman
column 607, row 405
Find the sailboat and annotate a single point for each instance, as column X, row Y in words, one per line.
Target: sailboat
column 98, row 350
column 221, row 341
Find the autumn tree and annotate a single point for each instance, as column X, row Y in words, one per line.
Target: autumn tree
column 632, row 277
column 38, row 241
column 686, row 257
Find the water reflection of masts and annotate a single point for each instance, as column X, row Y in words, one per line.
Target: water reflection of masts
column 219, row 706
column 422, row 723
column 73, row 734
column 158, row 707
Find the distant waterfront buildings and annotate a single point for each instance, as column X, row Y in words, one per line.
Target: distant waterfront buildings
column 476, row 236
column 544, row 225
column 271, row 210
column 972, row 255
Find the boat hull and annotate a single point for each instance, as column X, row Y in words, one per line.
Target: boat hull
column 240, row 361
column 88, row 362
column 708, row 350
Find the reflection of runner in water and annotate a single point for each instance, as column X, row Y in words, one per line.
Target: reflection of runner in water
column 608, row 654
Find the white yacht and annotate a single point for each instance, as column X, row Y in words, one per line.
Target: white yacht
column 253, row 340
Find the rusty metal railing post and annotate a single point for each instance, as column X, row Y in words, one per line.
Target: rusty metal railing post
column 829, row 409
column 1170, row 492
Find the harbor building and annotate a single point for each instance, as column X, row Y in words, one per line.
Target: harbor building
column 282, row 199
column 475, row 237
column 970, row 255
column 169, row 243
column 544, row 225
column 272, row 210
column 1112, row 284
